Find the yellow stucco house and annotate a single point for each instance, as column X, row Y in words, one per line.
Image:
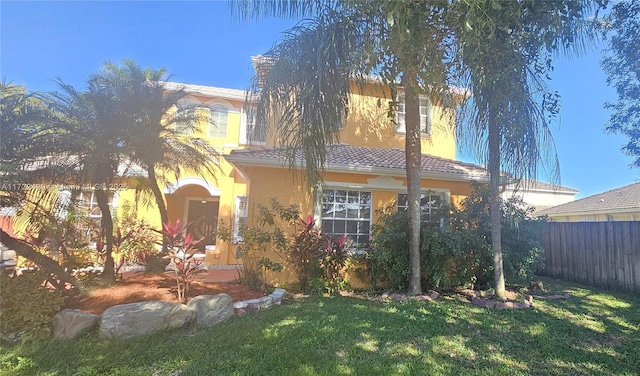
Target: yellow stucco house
column 364, row 172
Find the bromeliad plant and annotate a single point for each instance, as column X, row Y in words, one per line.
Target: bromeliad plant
column 181, row 248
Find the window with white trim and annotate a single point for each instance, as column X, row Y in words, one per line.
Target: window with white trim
column 425, row 115
column 240, row 215
column 256, row 133
column 184, row 123
column 218, row 117
column 347, row 212
column 429, row 202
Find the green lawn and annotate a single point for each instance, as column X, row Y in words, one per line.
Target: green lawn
column 594, row 333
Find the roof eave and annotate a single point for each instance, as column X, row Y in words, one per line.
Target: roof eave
column 335, row 167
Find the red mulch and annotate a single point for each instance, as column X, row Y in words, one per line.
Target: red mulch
column 142, row 287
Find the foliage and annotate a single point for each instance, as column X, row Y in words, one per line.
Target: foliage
column 503, row 53
column 181, row 248
column 318, row 260
column 621, row 66
column 26, row 306
column 592, row 333
column 135, row 239
column 304, row 250
column 333, row 261
column 456, row 245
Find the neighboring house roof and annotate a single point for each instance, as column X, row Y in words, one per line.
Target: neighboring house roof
column 356, row 159
column 617, row 200
column 209, row 91
column 532, row 185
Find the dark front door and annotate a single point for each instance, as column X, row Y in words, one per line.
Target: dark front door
column 202, row 218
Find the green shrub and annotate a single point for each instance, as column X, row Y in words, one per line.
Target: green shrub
column 333, row 261
column 26, row 307
column 455, row 245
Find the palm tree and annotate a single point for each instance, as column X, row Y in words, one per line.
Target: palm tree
column 127, row 117
column 504, row 50
column 304, row 84
column 150, row 114
column 29, row 147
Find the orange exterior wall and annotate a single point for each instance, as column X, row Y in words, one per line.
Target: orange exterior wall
column 288, row 188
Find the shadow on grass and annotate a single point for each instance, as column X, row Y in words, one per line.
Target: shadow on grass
column 594, row 333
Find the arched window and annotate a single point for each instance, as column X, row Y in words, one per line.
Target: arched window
column 218, row 116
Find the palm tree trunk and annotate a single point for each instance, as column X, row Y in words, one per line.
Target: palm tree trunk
column 157, row 194
column 494, row 201
column 47, row 264
column 109, row 274
column 159, row 197
column 413, row 163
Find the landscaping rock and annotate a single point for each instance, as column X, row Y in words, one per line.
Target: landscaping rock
column 253, row 304
column 266, row 302
column 423, row 298
column 74, row 323
column 484, row 303
column 398, row 298
column 212, row 309
column 278, row 296
column 434, row 295
column 240, row 308
column 135, row 319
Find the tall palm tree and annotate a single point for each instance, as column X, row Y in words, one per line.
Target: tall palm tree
column 504, row 50
column 304, row 87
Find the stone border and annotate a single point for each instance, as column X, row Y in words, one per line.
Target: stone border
column 275, row 298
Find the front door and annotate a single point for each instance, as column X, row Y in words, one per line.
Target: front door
column 202, row 219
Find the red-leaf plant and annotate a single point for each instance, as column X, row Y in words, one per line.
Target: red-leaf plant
column 181, row 247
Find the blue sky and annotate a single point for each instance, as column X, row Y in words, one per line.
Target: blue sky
column 200, row 43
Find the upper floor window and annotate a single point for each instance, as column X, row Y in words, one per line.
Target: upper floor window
column 185, row 113
column 425, row 114
column 218, row 116
column 255, row 133
column 347, row 212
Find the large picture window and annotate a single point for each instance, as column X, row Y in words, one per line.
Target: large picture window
column 347, row 212
column 425, row 114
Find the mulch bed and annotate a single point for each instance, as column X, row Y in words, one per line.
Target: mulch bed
column 143, row 287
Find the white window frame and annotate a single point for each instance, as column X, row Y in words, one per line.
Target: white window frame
column 361, row 237
column 247, row 127
column 192, row 104
column 218, row 120
column 425, row 115
column 444, row 198
column 240, row 215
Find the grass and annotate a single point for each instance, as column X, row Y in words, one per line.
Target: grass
column 593, row 333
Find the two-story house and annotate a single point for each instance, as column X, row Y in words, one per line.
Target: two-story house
column 364, row 172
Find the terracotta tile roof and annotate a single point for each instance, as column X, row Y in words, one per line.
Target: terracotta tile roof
column 619, row 199
column 367, row 160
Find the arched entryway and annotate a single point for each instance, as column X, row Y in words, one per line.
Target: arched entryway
column 196, row 202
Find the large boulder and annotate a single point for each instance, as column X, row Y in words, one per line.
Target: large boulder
column 74, row 323
column 212, row 309
column 135, row 319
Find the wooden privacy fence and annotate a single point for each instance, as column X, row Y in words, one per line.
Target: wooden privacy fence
column 601, row 254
